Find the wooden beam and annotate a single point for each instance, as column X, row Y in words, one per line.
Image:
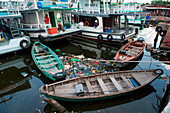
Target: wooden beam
column 89, row 86
column 123, row 77
column 103, row 86
column 117, row 85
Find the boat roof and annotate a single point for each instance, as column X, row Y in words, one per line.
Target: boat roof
column 10, row 16
column 164, row 8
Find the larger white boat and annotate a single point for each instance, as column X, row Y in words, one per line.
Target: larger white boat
column 10, row 36
column 108, row 19
column 41, row 19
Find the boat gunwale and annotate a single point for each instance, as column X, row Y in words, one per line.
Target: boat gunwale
column 70, row 98
column 132, row 57
column 36, row 62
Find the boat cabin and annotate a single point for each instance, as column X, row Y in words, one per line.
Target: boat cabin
column 11, row 39
column 102, row 21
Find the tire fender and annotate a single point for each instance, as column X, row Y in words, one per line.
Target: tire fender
column 109, row 37
column 158, row 71
column 22, row 44
column 158, row 28
column 163, row 33
column 123, row 36
column 41, row 38
column 100, row 37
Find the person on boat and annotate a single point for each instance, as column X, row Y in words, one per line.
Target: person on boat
column 60, row 27
column 46, row 19
column 96, row 24
column 80, row 25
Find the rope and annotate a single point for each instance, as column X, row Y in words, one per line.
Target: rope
column 147, row 33
column 131, row 61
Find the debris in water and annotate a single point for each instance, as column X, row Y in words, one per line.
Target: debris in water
column 39, row 111
column 42, row 101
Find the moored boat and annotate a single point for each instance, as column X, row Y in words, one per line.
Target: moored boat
column 129, row 52
column 100, row 86
column 48, row 62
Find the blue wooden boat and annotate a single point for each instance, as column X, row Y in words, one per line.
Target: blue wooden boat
column 48, row 62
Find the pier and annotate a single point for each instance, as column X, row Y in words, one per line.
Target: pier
column 166, row 41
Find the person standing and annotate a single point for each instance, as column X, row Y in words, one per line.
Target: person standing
column 96, row 24
column 46, row 19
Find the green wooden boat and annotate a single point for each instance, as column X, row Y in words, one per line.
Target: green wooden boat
column 100, row 86
column 48, row 62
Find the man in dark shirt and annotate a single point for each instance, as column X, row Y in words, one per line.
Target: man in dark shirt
column 60, row 27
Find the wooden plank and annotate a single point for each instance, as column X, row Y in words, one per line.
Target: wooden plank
column 103, row 86
column 48, row 65
column 41, row 53
column 38, row 57
column 89, row 86
column 123, row 77
column 46, row 60
column 115, row 83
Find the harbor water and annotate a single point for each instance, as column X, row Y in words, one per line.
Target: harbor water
column 20, row 79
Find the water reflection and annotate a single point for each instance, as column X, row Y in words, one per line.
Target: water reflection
column 12, row 65
column 11, row 79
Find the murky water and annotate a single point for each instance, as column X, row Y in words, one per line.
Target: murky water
column 19, row 94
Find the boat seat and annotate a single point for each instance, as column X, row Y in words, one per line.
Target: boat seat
column 46, row 56
column 46, row 60
column 89, row 87
column 38, row 49
column 103, row 86
column 53, row 71
column 127, row 82
column 117, row 85
column 49, row 65
column 41, row 53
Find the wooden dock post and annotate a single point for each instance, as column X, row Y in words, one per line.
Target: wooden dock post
column 58, row 107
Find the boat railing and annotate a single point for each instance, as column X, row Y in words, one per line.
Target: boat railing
column 40, row 26
column 19, row 4
column 107, row 10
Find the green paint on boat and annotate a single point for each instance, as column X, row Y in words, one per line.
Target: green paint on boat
column 47, row 61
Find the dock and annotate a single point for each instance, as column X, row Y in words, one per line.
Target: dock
column 166, row 41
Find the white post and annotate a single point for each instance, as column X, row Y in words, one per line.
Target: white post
column 89, row 5
column 107, row 6
column 70, row 17
column 38, row 19
column 104, row 6
column 35, row 4
column 123, row 6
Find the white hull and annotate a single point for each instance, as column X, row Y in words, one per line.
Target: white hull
column 13, row 45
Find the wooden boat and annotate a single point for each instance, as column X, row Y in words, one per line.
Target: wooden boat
column 100, row 86
column 129, row 52
column 48, row 62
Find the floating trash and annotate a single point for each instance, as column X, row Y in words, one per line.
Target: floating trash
column 78, row 65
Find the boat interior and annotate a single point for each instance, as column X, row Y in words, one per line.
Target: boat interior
column 46, row 60
column 100, row 84
column 132, row 49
